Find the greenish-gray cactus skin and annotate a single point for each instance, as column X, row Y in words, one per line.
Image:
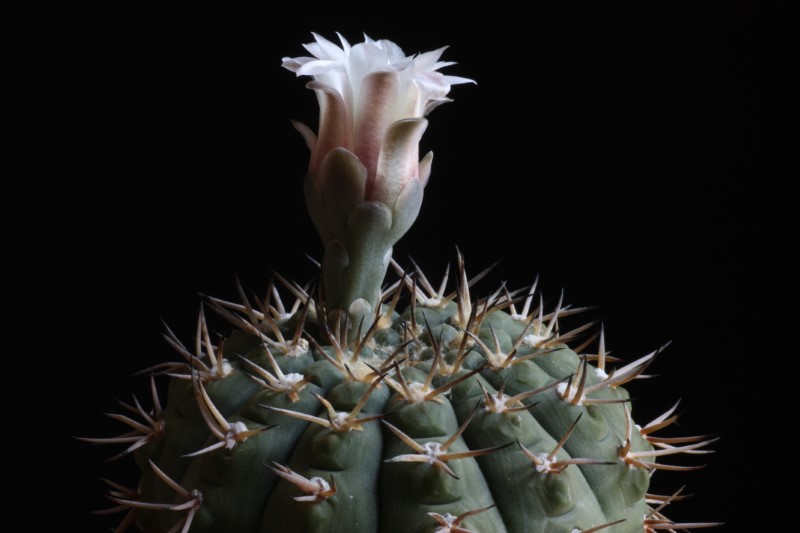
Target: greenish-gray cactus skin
column 374, row 492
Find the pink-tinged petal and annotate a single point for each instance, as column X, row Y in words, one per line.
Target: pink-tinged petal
column 309, row 136
column 398, row 161
column 425, row 168
column 334, row 124
column 374, row 113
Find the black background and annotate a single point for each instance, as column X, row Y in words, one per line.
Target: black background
column 604, row 148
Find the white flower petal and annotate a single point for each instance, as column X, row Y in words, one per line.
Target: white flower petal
column 394, row 52
column 329, row 49
column 317, row 66
column 456, row 80
column 345, row 44
column 427, row 60
column 294, row 63
column 315, row 50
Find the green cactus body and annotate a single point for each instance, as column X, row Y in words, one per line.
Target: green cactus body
column 411, row 426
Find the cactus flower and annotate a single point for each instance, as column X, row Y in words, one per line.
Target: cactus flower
column 365, row 155
column 372, row 99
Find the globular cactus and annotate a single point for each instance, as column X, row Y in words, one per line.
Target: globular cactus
column 346, row 412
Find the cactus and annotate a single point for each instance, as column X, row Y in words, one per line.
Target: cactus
column 410, row 407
